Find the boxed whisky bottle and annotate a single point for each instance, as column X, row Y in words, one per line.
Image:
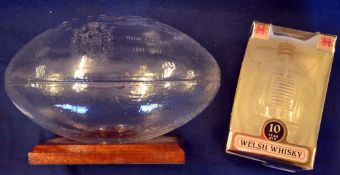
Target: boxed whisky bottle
column 280, row 96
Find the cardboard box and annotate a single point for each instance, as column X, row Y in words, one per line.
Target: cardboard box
column 280, row 96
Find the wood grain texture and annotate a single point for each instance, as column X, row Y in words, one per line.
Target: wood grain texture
column 162, row 150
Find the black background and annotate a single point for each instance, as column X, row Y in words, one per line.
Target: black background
column 222, row 27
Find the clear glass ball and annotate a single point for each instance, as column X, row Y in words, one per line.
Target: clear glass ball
column 112, row 79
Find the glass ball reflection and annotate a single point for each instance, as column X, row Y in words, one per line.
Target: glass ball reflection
column 112, row 79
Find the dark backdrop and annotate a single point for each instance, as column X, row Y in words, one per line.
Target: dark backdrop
column 222, row 27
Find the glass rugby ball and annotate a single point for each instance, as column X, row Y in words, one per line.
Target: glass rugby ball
column 112, row 79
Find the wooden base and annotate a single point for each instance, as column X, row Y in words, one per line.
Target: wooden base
column 162, row 150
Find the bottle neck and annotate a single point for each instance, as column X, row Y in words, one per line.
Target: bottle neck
column 285, row 52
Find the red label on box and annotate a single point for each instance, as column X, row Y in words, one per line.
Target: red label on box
column 261, row 30
column 326, row 42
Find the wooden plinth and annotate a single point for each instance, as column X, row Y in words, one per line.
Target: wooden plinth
column 162, row 150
